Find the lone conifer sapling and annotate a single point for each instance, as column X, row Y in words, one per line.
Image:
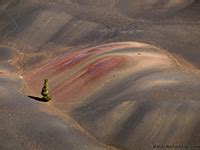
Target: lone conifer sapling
column 45, row 91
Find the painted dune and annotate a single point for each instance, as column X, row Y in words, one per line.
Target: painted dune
column 92, row 68
column 123, row 74
column 122, row 93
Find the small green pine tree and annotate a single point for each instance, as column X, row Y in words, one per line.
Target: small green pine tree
column 45, row 91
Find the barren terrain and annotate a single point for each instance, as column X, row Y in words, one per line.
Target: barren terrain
column 122, row 74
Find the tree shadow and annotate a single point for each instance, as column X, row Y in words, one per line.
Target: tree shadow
column 38, row 99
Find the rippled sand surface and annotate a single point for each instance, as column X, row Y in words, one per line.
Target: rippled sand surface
column 122, row 74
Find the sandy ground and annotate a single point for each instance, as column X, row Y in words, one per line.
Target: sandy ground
column 122, row 74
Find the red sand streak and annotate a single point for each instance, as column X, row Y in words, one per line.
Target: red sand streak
column 88, row 75
column 57, row 65
column 78, row 57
